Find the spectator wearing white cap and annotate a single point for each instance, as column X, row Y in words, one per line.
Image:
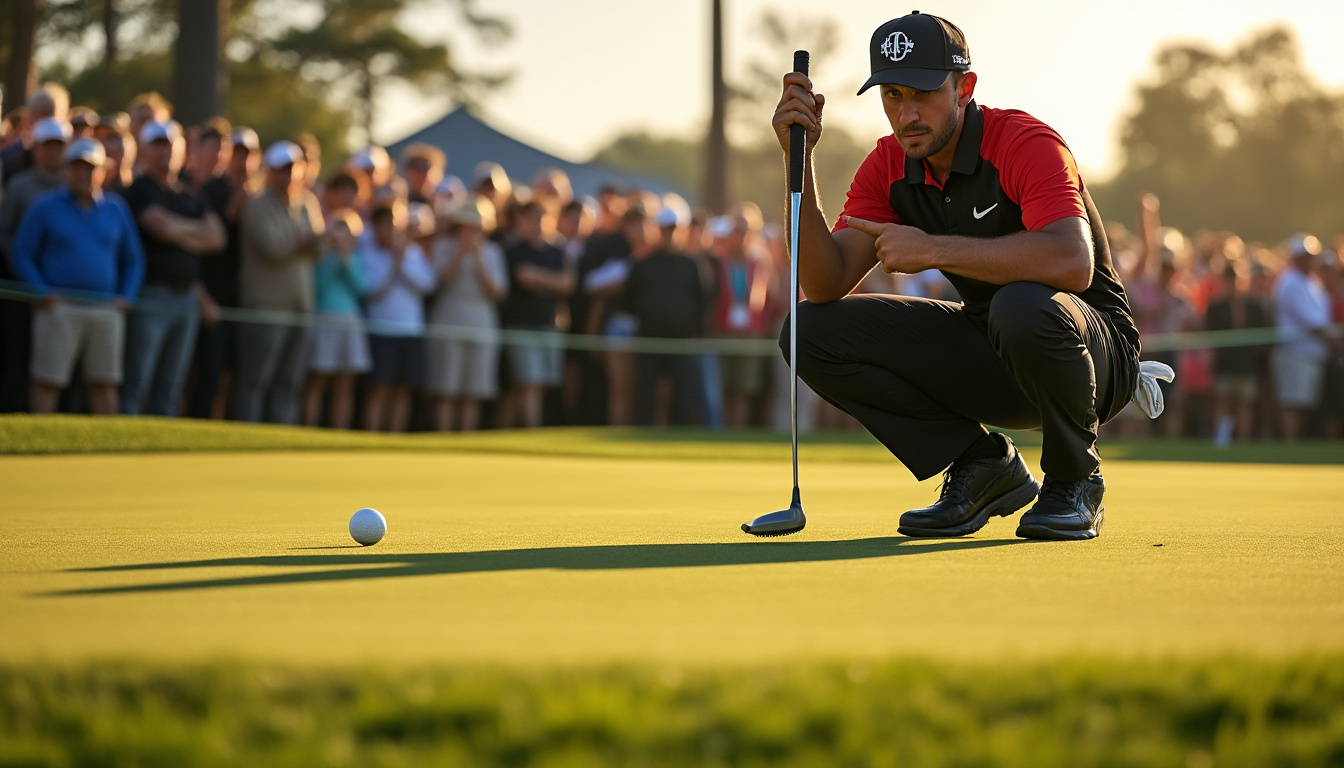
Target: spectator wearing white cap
column 177, row 228
column 666, row 293
column 80, row 250
column 1302, row 314
column 50, row 100
column 48, row 140
column 473, row 277
column 280, row 234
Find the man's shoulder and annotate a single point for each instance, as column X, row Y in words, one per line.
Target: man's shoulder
column 1011, row 127
column 28, row 182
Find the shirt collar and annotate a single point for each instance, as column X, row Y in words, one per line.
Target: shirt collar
column 967, row 155
column 70, row 195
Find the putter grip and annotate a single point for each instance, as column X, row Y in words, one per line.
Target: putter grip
column 797, row 139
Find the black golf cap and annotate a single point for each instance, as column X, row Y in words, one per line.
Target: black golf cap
column 916, row 51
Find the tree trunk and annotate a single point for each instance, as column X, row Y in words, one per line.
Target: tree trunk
column 715, row 191
column 20, row 76
column 366, row 102
column 110, row 53
column 198, row 60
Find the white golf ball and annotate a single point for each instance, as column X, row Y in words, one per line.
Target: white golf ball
column 367, row 526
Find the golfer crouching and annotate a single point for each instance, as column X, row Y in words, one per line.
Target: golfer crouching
column 1044, row 337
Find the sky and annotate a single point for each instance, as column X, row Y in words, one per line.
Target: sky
column 586, row 71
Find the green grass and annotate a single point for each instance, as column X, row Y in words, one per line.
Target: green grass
column 570, row 597
column 40, row 435
column 1073, row 713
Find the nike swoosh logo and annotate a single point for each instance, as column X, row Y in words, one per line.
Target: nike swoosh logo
column 981, row 214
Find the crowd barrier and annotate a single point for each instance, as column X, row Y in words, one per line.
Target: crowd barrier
column 762, row 347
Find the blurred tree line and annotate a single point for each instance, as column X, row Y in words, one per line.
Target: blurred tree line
column 755, row 162
column 290, row 65
column 1246, row 141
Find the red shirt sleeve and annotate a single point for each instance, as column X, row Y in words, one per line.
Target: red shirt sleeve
column 869, row 195
column 1038, row 172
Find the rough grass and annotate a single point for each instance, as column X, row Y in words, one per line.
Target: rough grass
column 1071, row 714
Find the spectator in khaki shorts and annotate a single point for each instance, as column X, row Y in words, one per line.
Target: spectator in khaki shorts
column 82, row 251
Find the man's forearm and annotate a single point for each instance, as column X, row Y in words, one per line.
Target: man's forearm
column 821, row 270
column 1049, row 258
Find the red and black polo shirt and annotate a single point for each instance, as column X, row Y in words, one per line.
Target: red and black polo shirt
column 1010, row 173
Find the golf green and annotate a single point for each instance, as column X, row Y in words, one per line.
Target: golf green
column 571, row 559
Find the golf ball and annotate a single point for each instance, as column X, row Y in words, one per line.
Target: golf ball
column 367, row 526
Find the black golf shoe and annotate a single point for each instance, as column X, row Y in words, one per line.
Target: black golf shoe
column 972, row 493
column 1066, row 511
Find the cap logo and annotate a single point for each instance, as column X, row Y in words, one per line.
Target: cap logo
column 897, row 45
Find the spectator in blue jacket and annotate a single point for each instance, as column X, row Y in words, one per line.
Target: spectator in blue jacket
column 81, row 251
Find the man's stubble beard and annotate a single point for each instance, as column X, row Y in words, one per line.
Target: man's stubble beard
column 939, row 139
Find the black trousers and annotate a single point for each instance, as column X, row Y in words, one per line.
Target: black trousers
column 684, row 371
column 214, row 356
column 925, row 378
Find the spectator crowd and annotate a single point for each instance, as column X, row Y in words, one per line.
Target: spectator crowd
column 192, row 271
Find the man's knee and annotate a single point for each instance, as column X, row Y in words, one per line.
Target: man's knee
column 812, row 320
column 1025, row 312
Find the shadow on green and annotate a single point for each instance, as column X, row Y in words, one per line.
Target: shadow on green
column 350, row 567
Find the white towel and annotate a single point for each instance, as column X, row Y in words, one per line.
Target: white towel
column 1147, row 394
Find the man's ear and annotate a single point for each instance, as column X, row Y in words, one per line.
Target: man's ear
column 966, row 89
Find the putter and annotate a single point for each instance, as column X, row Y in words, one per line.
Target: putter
column 791, row 520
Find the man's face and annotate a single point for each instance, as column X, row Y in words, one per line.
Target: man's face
column 156, row 156
column 342, row 196
column 418, row 174
column 47, row 155
column 207, row 157
column 84, row 179
column 244, row 161
column 529, row 224
column 341, row 237
column 285, row 178
column 115, row 149
column 385, row 230
column 925, row 121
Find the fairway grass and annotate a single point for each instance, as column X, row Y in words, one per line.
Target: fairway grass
column 581, row 600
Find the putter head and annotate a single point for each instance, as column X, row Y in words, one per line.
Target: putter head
column 781, row 523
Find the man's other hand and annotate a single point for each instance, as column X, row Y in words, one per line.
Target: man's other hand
column 900, row 249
